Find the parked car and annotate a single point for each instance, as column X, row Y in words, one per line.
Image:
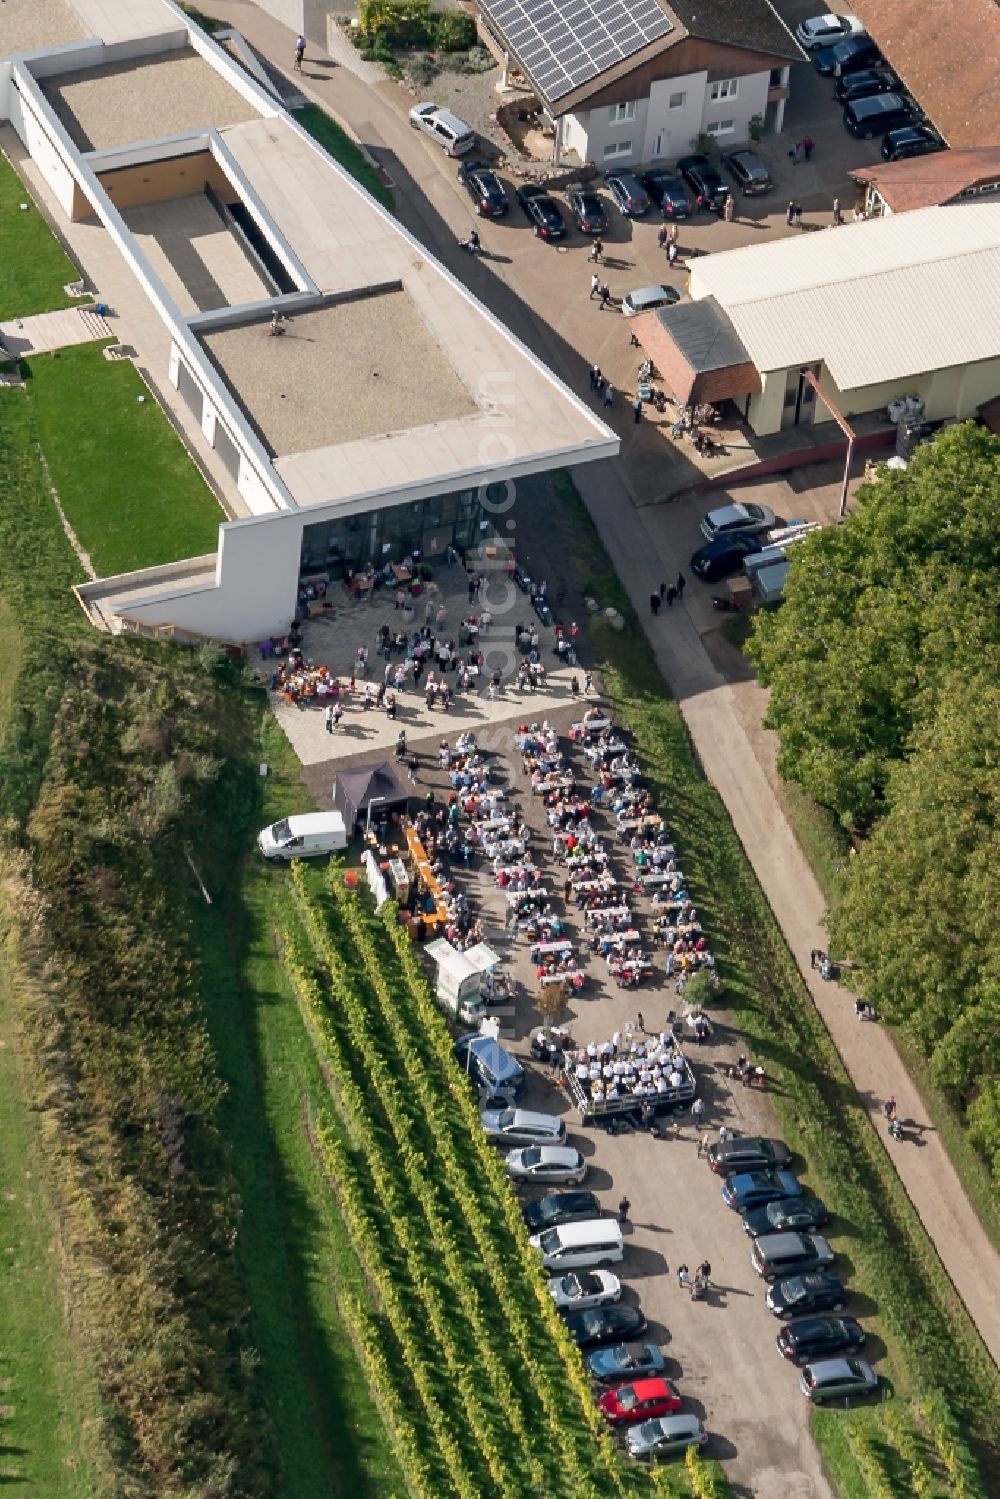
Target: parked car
column 798, row 1213
column 748, row 1153
column 852, row 53
column 722, row 558
column 543, row 212
column 605, row 1324
column 752, row 1189
column 546, row 1163
column 868, row 81
column 626, row 1361
column 595, row 1243
column 836, row 1378
column 522, row 1127
column 816, row 1292
column 704, row 181
column 444, row 127
column 823, row 31
column 628, row 192
column 910, row 140
column 560, row 1207
column 808, row 1338
column 752, row 176
column 488, row 194
column 877, row 114
column 665, row 1436
column 776, row 1256
column 488, row 1065
column 644, row 298
column 642, row 1400
column 738, row 518
column 588, row 210
column 668, row 193
column 583, row 1289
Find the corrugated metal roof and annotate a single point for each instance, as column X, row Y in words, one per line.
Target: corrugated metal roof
column 882, row 300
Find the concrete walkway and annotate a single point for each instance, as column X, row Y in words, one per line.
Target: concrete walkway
column 429, row 203
column 44, row 332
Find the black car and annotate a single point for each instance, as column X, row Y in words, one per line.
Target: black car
column 668, row 194
column 704, row 181
column 546, row 220
column 628, row 192
column 877, row 114
column 852, row 53
column 720, row 559
column 807, row 1338
column 561, row 1207
column 605, row 1324
column 484, row 188
column 819, row 1291
column 911, row 140
column 588, row 211
column 867, row 81
column 799, row 1213
column 752, row 176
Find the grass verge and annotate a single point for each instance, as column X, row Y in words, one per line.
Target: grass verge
column 338, row 144
column 884, row 1249
column 125, row 481
column 34, row 267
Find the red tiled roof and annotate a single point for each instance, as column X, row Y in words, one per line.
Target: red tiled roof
column 924, row 181
column 948, row 55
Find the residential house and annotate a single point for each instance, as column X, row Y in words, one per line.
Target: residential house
column 922, row 181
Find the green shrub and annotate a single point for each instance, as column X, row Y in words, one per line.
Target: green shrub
column 476, row 60
column 453, row 30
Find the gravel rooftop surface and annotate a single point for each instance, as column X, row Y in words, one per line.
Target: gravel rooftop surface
column 26, row 24
column 142, row 100
column 399, row 377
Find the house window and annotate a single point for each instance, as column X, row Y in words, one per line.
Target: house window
column 618, row 148
column 618, row 114
column 726, row 88
column 677, row 101
column 720, row 127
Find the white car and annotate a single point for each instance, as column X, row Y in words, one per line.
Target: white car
column 522, row 1127
column 579, row 1291
column 442, row 126
column 546, row 1163
column 825, row 31
column 737, row 520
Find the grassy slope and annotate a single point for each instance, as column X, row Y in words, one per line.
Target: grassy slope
column 33, row 265
column 129, row 489
column 338, row 144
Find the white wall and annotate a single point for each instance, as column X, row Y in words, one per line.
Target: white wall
column 289, row 12
column 591, row 131
column 39, row 145
column 677, row 128
column 6, row 70
column 751, row 99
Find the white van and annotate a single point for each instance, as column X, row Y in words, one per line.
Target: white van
column 580, row 1246
column 303, row 837
column 444, row 127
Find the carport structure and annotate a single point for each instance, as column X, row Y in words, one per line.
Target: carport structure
column 700, row 356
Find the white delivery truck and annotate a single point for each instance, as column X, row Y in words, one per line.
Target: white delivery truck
column 303, row 837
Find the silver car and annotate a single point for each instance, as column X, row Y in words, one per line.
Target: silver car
column 737, row 520
column 579, row 1291
column 664, row 1436
column 522, row 1127
column 546, row 1163
column 836, row 1378
column 824, row 31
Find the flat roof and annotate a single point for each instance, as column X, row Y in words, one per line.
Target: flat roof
column 356, row 369
column 142, row 99
column 26, row 25
column 880, row 300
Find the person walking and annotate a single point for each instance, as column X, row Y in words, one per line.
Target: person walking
column 328, row 716
column 729, row 209
column 672, row 253
column 703, row 1144
column 654, row 603
column 609, row 393
column 300, row 52
column 671, row 595
column 661, row 236
column 795, row 153
column 596, row 251
column 663, row 592
column 595, row 377
column 797, row 215
column 673, row 235
column 680, row 585
column 838, row 217
column 605, row 297
column 595, row 286
column 790, row 212
column 640, row 1023
column 698, row 1113
column 637, row 409
column 411, row 766
column 624, row 1208
column 808, row 147
column 588, row 683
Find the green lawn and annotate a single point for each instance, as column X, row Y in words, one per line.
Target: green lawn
column 125, row 480
column 338, row 144
column 34, row 267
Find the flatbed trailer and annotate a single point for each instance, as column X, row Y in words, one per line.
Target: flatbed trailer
column 605, row 1109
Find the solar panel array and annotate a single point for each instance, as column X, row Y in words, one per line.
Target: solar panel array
column 565, row 44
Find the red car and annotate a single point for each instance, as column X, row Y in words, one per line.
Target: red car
column 640, row 1401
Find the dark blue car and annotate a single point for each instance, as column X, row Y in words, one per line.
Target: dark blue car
column 724, row 556
column 626, row 1361
column 752, row 1189
column 543, row 211
column 848, row 56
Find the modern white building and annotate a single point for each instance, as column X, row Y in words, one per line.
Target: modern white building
column 628, row 83
column 873, row 312
column 390, row 413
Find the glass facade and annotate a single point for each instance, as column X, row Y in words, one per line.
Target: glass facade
column 393, row 534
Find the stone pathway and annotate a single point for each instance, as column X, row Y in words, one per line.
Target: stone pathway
column 47, row 331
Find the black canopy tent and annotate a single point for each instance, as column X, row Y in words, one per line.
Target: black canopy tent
column 374, row 786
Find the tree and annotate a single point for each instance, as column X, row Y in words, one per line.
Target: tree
column 876, row 614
